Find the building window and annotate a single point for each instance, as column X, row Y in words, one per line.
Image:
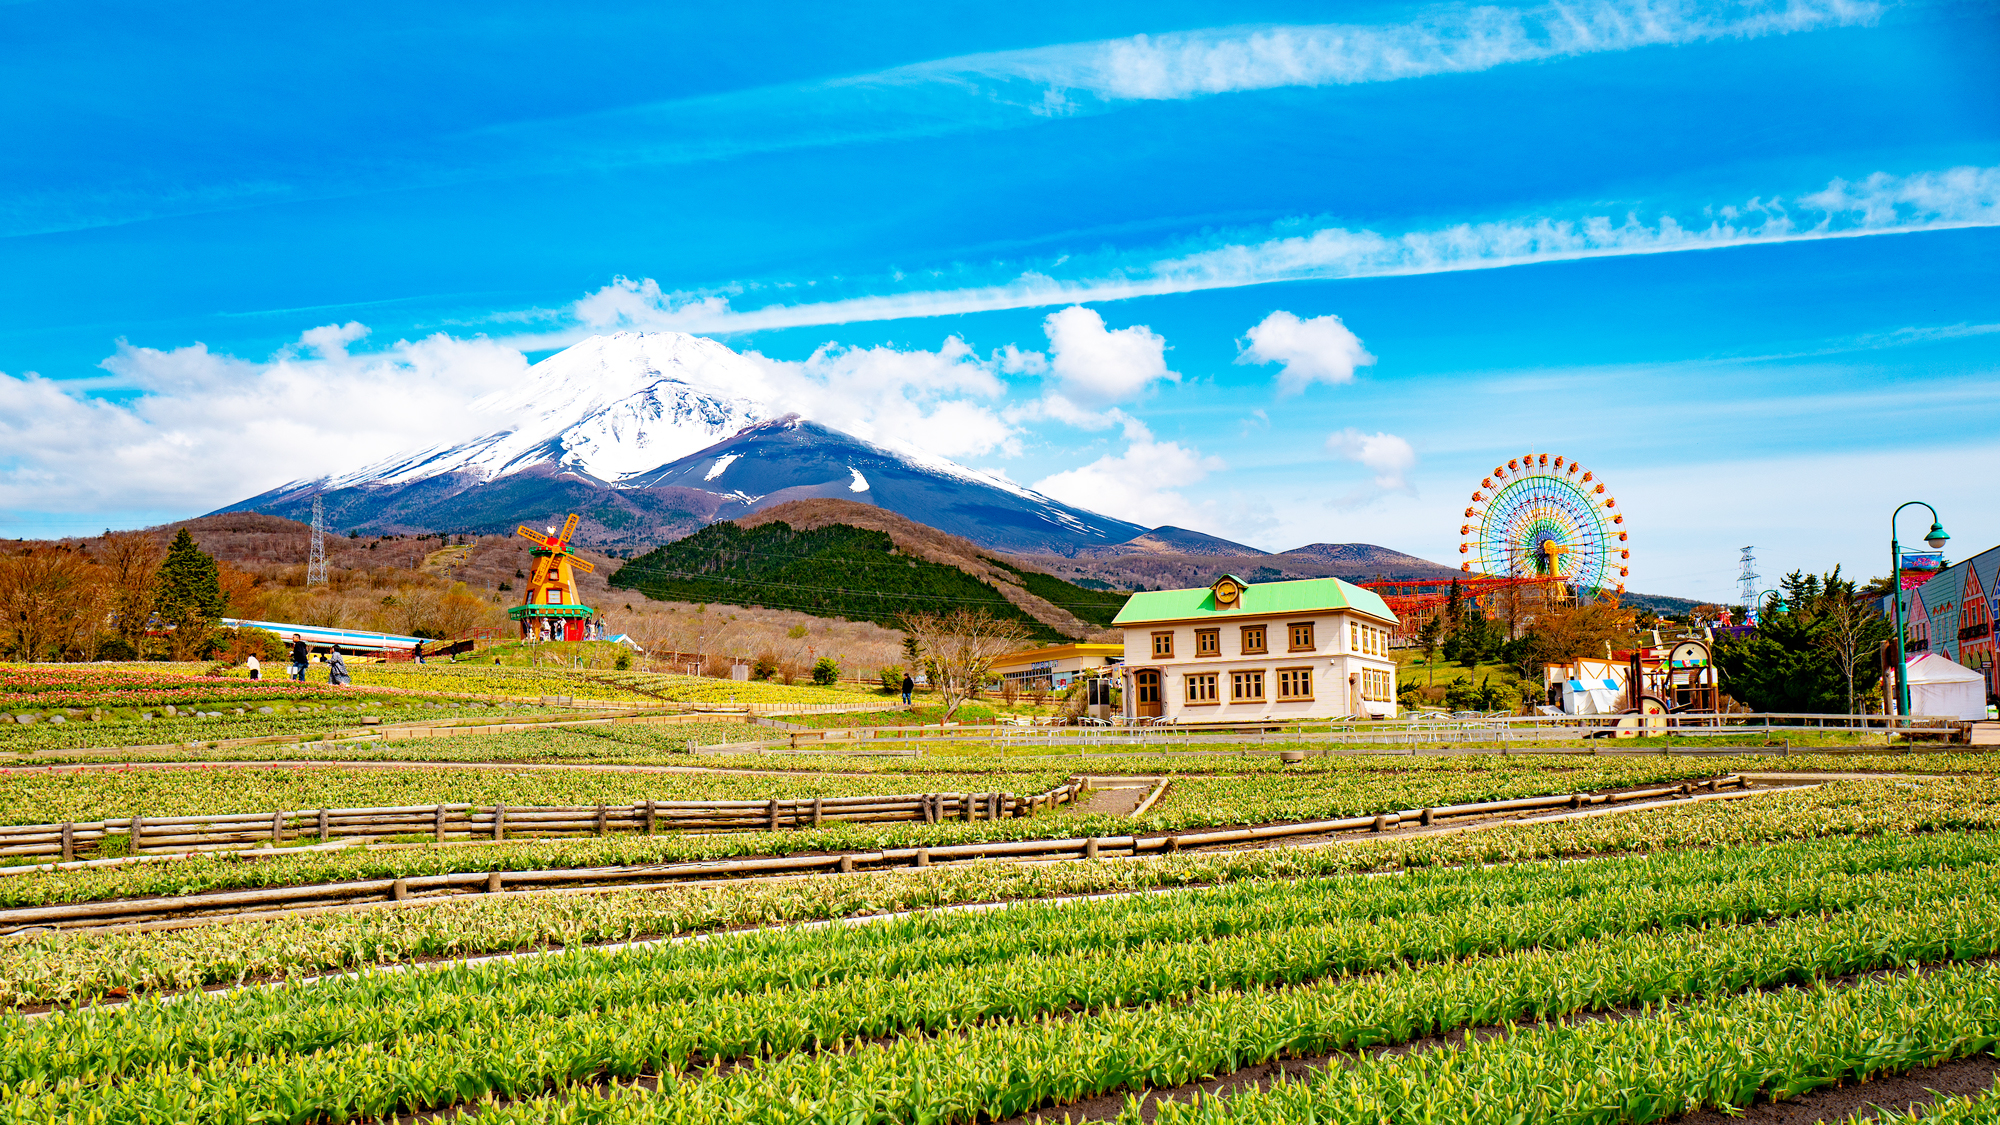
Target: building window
column 1201, row 688
column 1295, row 683
column 1253, row 640
column 1353, row 637
column 1377, row 686
column 1302, row 636
column 1163, row 645
column 1244, row 686
column 1208, row 642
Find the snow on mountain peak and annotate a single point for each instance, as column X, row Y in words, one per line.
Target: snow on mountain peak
column 606, row 408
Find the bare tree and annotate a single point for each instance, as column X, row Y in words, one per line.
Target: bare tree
column 131, row 560
column 45, row 597
column 1848, row 628
column 959, row 648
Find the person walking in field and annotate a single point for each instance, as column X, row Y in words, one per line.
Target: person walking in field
column 256, row 669
column 418, row 652
column 299, row 657
column 909, row 685
column 337, row 669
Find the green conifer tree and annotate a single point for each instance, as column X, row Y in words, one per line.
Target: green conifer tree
column 190, row 594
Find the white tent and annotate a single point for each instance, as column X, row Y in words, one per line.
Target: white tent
column 1941, row 688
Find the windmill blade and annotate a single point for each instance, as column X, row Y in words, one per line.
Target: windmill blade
column 531, row 533
column 583, row 564
column 569, row 528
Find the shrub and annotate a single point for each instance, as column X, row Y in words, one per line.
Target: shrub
column 826, row 671
column 765, row 666
column 892, row 677
column 623, row 663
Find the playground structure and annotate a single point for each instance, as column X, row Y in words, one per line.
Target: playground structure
column 1548, row 524
column 1668, row 685
column 552, row 609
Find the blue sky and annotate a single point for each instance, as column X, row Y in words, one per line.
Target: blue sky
column 1738, row 258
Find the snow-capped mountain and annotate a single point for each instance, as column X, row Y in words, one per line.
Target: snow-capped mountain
column 653, row 435
column 605, row 409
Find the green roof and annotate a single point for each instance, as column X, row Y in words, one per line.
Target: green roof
column 1304, row 596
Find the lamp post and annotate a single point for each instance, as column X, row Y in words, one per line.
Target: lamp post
column 1778, row 607
column 1936, row 538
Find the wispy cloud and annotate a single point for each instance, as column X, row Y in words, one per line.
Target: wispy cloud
column 938, row 97
column 1878, row 204
column 1455, row 39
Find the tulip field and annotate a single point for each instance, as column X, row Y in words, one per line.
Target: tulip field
column 1701, row 955
column 1631, row 988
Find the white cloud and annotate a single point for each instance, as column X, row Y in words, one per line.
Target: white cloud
column 1389, row 457
column 1089, row 369
column 916, row 399
column 1096, row 366
column 197, row 430
column 1447, row 40
column 1878, row 204
column 1139, row 484
column 1320, row 350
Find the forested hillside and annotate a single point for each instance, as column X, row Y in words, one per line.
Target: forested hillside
column 838, row 570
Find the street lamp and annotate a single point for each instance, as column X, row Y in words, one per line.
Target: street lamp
column 1936, row 538
column 1779, row 605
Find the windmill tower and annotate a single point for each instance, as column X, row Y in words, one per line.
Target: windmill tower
column 316, row 561
column 552, row 610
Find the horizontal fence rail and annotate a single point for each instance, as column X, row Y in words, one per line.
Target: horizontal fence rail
column 166, row 834
column 128, row 911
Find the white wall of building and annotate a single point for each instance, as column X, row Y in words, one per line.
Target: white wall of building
column 1338, row 666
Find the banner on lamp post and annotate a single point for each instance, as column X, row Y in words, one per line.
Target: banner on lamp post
column 1919, row 567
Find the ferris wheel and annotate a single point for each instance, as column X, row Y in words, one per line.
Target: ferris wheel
column 1542, row 518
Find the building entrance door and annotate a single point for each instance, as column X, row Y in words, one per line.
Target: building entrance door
column 1146, row 690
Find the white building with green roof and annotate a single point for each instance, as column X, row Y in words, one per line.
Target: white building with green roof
column 1237, row 652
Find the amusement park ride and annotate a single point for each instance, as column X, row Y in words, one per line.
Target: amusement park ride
column 1542, row 528
column 552, row 610
column 1543, row 532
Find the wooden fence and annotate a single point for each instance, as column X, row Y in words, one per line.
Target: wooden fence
column 215, row 903
column 157, row 834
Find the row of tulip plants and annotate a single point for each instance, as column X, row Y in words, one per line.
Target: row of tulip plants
column 957, row 1041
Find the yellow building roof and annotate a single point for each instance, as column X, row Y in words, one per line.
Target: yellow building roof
column 1053, row 653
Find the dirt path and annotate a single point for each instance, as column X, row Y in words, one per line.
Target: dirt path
column 1120, row 801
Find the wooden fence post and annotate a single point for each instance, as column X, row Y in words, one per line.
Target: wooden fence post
column 499, row 822
column 847, row 865
column 493, row 882
column 400, row 889
column 816, row 812
column 437, row 824
column 923, row 857
column 965, row 807
column 773, row 815
column 277, row 828
column 68, row 841
column 138, row 824
column 651, row 814
column 1090, row 848
column 322, row 826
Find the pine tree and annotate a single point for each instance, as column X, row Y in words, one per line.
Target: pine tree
column 190, row 593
